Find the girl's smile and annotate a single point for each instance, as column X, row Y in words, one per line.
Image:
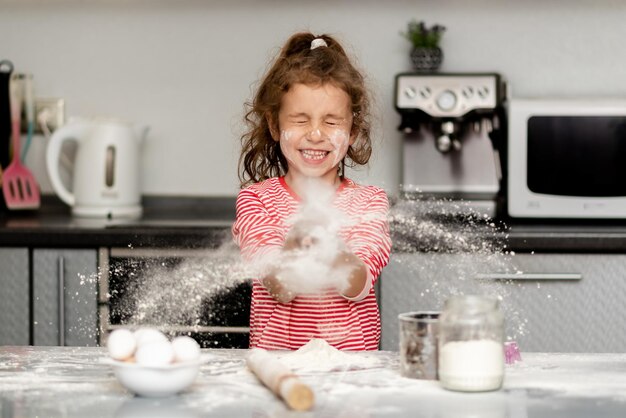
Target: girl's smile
column 315, row 124
column 313, row 156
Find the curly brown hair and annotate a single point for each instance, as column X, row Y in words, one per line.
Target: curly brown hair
column 261, row 156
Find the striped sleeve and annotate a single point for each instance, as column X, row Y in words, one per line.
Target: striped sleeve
column 370, row 239
column 255, row 231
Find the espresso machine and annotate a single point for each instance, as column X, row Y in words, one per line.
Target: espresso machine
column 454, row 127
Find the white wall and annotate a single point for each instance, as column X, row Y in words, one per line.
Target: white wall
column 185, row 67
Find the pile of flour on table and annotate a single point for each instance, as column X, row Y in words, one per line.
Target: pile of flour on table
column 319, row 356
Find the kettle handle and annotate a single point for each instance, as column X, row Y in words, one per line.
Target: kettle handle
column 75, row 132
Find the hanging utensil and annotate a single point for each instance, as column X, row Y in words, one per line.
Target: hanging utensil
column 29, row 105
column 19, row 186
column 6, row 68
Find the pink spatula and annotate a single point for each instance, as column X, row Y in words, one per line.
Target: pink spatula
column 19, row 186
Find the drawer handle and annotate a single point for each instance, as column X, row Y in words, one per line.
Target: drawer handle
column 61, row 276
column 530, row 276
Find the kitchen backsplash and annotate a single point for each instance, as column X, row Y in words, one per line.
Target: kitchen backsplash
column 186, row 67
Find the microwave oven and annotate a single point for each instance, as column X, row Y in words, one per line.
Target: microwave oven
column 567, row 158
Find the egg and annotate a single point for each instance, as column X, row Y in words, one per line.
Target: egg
column 121, row 344
column 149, row 335
column 159, row 353
column 185, row 349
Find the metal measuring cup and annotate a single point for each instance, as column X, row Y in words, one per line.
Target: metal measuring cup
column 418, row 344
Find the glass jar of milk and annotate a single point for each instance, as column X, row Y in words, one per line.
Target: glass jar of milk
column 471, row 344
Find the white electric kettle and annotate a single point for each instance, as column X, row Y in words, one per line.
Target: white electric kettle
column 105, row 177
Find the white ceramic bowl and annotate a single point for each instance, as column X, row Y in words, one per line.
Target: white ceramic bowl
column 155, row 381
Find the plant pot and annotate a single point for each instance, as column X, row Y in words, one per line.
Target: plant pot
column 426, row 59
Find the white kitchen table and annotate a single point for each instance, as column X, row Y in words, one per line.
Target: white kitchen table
column 73, row 382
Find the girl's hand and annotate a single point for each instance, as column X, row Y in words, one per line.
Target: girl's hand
column 275, row 284
column 278, row 290
column 304, row 234
column 356, row 271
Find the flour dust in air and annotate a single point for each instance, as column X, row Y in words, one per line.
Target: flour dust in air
column 208, row 288
column 313, row 241
column 448, row 248
column 215, row 287
column 443, row 245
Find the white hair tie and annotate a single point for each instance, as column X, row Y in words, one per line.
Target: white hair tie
column 317, row 42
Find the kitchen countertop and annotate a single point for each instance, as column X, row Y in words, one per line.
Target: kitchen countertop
column 72, row 382
column 166, row 222
column 206, row 222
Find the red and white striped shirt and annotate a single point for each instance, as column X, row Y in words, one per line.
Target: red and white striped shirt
column 260, row 230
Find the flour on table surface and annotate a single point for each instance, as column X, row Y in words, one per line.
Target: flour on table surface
column 567, row 375
column 319, row 356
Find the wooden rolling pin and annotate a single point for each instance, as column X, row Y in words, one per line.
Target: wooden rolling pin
column 280, row 380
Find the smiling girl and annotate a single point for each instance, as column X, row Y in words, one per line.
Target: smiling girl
column 309, row 120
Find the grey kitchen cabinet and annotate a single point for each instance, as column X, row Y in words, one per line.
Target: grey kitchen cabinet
column 551, row 302
column 15, row 296
column 65, row 297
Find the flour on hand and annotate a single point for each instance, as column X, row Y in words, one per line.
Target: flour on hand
column 316, row 227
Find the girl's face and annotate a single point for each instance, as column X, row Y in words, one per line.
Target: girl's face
column 314, row 125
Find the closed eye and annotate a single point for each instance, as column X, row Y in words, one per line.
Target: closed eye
column 334, row 122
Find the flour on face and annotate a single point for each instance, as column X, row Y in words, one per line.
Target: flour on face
column 288, row 151
column 337, row 142
column 340, row 140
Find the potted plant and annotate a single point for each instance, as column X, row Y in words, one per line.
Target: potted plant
column 425, row 53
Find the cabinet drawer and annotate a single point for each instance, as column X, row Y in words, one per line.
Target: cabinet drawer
column 570, row 315
column 552, row 302
column 65, row 297
column 15, row 291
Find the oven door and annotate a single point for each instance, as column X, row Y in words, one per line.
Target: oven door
column 178, row 291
